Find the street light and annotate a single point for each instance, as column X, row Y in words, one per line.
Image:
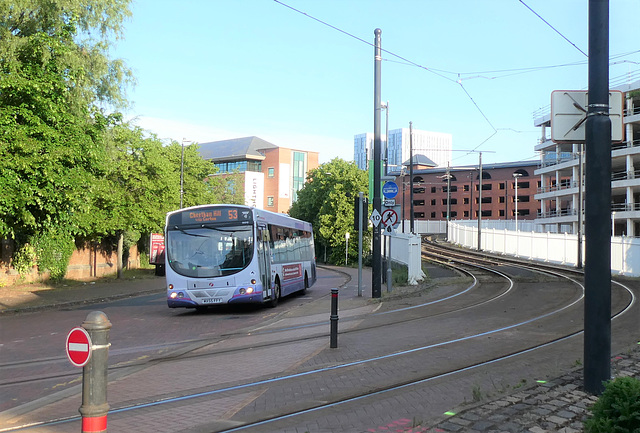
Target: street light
column 516, row 176
column 184, row 140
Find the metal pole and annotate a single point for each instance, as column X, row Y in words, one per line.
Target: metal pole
column 346, row 250
column 386, row 139
column 448, row 201
column 480, row 203
column 376, row 265
column 182, row 174
column 411, row 177
column 580, row 211
column 516, row 203
column 389, row 266
column 360, row 210
column 333, row 338
column 597, row 272
column 94, row 407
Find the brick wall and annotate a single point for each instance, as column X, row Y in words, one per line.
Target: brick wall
column 88, row 263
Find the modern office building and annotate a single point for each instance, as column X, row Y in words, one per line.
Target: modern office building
column 438, row 191
column 559, row 171
column 437, row 146
column 271, row 175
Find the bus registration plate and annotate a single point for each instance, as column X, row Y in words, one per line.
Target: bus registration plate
column 211, row 300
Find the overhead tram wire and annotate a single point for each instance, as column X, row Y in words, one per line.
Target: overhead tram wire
column 441, row 73
column 554, row 29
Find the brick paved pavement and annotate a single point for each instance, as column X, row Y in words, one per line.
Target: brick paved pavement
column 506, row 399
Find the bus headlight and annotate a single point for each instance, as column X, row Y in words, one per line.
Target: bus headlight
column 173, row 295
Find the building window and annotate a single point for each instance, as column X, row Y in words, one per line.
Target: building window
column 433, row 202
column 270, row 201
column 299, row 169
column 239, row 166
column 433, row 189
column 465, row 200
column 271, row 172
column 466, row 214
column 418, row 214
column 501, row 199
column 418, row 202
column 502, row 212
column 466, row 188
column 433, row 214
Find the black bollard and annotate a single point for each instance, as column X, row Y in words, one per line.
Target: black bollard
column 94, row 407
column 334, row 319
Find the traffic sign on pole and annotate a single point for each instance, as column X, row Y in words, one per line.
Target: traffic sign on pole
column 389, row 217
column 78, row 346
column 390, row 189
column 375, row 217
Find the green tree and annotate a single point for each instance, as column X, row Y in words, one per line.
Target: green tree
column 326, row 200
column 54, row 74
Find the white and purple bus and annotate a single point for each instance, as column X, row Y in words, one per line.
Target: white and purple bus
column 223, row 254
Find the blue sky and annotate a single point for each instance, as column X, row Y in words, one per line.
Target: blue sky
column 211, row 70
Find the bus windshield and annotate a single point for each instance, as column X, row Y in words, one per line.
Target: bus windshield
column 210, row 251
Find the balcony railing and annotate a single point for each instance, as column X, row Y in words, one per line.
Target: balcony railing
column 625, row 144
column 555, row 213
column 551, row 158
column 625, row 207
column 625, row 175
column 564, row 185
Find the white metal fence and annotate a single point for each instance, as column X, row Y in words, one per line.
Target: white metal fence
column 547, row 247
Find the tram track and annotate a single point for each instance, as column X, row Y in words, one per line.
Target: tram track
column 186, row 349
column 190, row 349
column 377, row 359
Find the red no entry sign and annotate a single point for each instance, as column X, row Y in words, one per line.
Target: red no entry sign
column 78, row 347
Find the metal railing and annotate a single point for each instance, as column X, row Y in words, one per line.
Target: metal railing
column 563, row 185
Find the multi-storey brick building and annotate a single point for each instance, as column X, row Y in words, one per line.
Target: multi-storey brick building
column 271, row 175
column 437, row 190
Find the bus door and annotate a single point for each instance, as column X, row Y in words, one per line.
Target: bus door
column 264, row 260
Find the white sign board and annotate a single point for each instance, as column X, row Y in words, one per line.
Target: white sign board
column 569, row 114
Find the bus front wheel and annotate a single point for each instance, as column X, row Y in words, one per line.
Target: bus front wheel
column 275, row 296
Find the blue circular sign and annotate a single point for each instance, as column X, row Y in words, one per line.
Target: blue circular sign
column 389, row 189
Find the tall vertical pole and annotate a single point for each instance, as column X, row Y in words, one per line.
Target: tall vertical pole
column 516, row 203
column 411, row 177
column 182, row 173
column 480, row 202
column 580, row 211
column 360, row 213
column 597, row 271
column 448, row 200
column 376, row 265
column 404, row 184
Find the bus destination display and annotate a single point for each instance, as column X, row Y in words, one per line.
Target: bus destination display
column 203, row 216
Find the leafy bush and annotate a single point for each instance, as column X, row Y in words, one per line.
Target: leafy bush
column 54, row 248
column 618, row 408
column 24, row 259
